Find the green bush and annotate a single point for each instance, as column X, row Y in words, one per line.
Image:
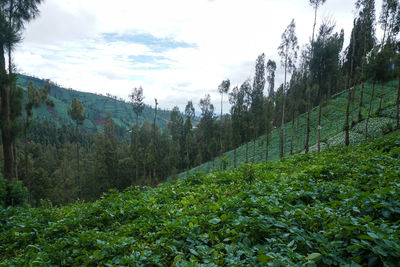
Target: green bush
column 3, row 191
column 12, row 194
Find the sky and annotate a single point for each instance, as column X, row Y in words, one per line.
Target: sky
column 177, row 50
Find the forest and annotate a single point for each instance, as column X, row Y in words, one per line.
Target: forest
column 62, row 160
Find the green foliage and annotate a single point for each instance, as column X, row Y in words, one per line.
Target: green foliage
column 12, row 194
column 338, row 207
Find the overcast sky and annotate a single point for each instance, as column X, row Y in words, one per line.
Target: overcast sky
column 177, row 50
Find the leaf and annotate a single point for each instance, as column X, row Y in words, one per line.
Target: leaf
column 314, row 256
column 264, row 258
column 215, row 221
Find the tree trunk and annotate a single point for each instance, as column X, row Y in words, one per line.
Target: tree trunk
column 319, row 121
column 369, row 111
column 346, row 125
column 234, row 158
column 15, row 160
column 397, row 106
column 220, row 135
column 360, row 102
column 78, row 163
column 281, row 153
column 154, row 141
column 349, row 84
column 27, row 176
column 5, row 117
column 136, row 148
column 247, row 152
column 309, row 106
column 292, row 134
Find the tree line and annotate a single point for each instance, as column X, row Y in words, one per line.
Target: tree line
column 84, row 165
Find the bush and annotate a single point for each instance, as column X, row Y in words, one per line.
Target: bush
column 13, row 194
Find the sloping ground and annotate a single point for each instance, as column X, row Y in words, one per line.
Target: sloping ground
column 332, row 123
column 96, row 107
column 338, row 207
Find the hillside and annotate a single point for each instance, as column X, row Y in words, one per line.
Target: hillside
column 338, row 207
column 332, row 133
column 96, row 107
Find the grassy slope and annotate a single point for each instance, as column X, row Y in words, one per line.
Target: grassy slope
column 332, row 127
column 338, row 207
column 96, row 107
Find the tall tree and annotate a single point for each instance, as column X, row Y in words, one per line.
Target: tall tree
column 189, row 114
column 288, row 53
column 349, row 90
column 258, row 96
column 269, row 103
column 324, row 62
column 367, row 19
column 136, row 99
column 223, row 88
column 76, row 112
column 155, row 138
column 315, row 4
column 236, row 99
column 13, row 16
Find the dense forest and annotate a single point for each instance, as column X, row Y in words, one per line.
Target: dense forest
column 64, row 161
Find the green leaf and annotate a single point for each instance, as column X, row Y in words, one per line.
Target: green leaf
column 264, row 258
column 314, row 256
column 215, row 221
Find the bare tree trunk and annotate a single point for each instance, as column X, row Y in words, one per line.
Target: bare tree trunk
column 319, row 121
column 361, row 101
column 281, row 153
column 309, row 107
column 397, row 106
column 136, row 148
column 154, row 141
column 220, row 135
column 369, row 111
column 346, row 126
column 234, row 158
column 78, row 163
column 15, row 160
column 292, row 134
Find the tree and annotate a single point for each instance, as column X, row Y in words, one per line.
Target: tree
column 236, row 99
column 189, row 114
column 271, row 68
column 136, row 99
column 223, row 88
column 315, row 4
column 288, row 53
column 206, row 126
column 367, row 19
column 13, row 16
column 35, row 99
column 155, row 138
column 76, row 112
column 258, row 97
column 349, row 85
column 324, row 62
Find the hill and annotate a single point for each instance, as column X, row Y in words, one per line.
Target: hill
column 338, row 207
column 96, row 107
column 332, row 133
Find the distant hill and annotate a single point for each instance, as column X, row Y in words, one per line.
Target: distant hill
column 96, row 107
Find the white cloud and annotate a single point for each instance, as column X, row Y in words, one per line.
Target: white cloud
column 67, row 44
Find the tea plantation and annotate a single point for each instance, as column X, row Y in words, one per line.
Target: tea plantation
column 332, row 133
column 338, row 207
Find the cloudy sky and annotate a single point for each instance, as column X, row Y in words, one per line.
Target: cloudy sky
column 177, row 50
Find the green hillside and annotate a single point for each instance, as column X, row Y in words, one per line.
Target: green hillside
column 96, row 107
column 332, row 133
column 338, row 207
